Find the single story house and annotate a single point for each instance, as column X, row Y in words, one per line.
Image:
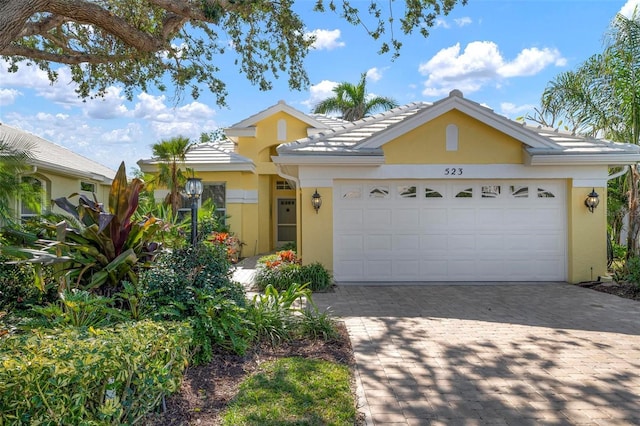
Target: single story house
column 443, row 191
column 57, row 170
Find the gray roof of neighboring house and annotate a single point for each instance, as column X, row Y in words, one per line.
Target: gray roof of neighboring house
column 210, row 156
column 55, row 158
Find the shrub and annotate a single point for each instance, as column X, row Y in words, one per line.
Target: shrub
column 316, row 275
column 77, row 308
column 221, row 322
column 633, row 270
column 178, row 274
column 282, row 269
column 18, row 289
column 87, row 376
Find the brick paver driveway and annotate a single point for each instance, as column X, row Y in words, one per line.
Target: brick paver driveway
column 524, row 354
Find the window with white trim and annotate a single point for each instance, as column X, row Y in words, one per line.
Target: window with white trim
column 214, row 191
column 25, row 211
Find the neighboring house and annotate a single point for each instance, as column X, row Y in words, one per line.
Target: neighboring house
column 58, row 171
column 444, row 191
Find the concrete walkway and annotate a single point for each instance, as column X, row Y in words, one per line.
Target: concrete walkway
column 522, row 354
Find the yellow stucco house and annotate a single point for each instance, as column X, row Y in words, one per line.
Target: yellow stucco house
column 443, row 191
column 58, row 171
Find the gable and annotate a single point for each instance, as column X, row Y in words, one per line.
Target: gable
column 476, row 143
column 270, row 132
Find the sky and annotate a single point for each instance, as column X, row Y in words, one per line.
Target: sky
column 500, row 53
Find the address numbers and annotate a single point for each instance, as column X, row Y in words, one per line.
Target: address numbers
column 453, row 171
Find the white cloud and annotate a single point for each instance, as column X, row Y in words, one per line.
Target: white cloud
column 318, row 92
column 461, row 22
column 110, row 106
column 374, row 74
column 481, row 63
column 441, row 23
column 326, row 39
column 8, row 96
column 628, row 8
column 512, row 110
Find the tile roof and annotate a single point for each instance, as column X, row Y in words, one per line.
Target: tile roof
column 210, row 154
column 344, row 137
column 365, row 137
column 52, row 157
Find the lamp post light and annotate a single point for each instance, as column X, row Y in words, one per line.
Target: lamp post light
column 193, row 188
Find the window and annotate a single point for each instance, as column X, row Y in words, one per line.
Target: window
column 406, row 191
column 379, row 192
column 431, row 193
column 543, row 193
column 519, row 191
column 214, row 191
column 465, row 193
column 283, row 184
column 490, row 191
column 26, row 211
column 87, row 186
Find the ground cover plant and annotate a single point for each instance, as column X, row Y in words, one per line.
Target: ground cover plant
column 284, row 268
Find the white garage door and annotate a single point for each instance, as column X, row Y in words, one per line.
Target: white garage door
column 449, row 230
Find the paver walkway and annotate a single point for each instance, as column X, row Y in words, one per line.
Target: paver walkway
column 523, row 354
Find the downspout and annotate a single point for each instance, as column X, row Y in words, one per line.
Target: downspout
column 620, row 173
column 298, row 204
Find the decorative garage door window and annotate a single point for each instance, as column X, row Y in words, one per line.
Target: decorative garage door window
column 490, row 191
column 519, row 191
column 407, row 191
column 543, row 193
column 465, row 193
column 379, row 191
column 351, row 192
column 431, row 193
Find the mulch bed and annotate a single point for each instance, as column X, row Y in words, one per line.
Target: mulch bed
column 625, row 290
column 207, row 389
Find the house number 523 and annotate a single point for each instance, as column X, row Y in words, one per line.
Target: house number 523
column 453, row 171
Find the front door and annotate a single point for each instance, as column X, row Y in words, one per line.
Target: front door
column 286, row 226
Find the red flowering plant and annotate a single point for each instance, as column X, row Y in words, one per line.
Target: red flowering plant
column 284, row 257
column 232, row 243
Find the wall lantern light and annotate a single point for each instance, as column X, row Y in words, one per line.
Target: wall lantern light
column 193, row 188
column 592, row 200
column 316, row 201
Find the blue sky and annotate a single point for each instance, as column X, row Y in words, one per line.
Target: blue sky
column 500, row 53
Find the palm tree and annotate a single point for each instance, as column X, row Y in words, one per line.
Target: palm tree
column 352, row 103
column 13, row 162
column 603, row 97
column 172, row 153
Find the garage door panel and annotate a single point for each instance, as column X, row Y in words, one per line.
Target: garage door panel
column 406, row 269
column 489, row 218
column 406, row 218
column 434, row 243
column 460, row 243
column 433, row 218
column 350, row 243
column 377, row 218
column 434, row 270
column 404, row 231
column 410, row 242
column 380, row 269
column 350, row 218
column 378, row 242
column 490, row 242
column 462, row 217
